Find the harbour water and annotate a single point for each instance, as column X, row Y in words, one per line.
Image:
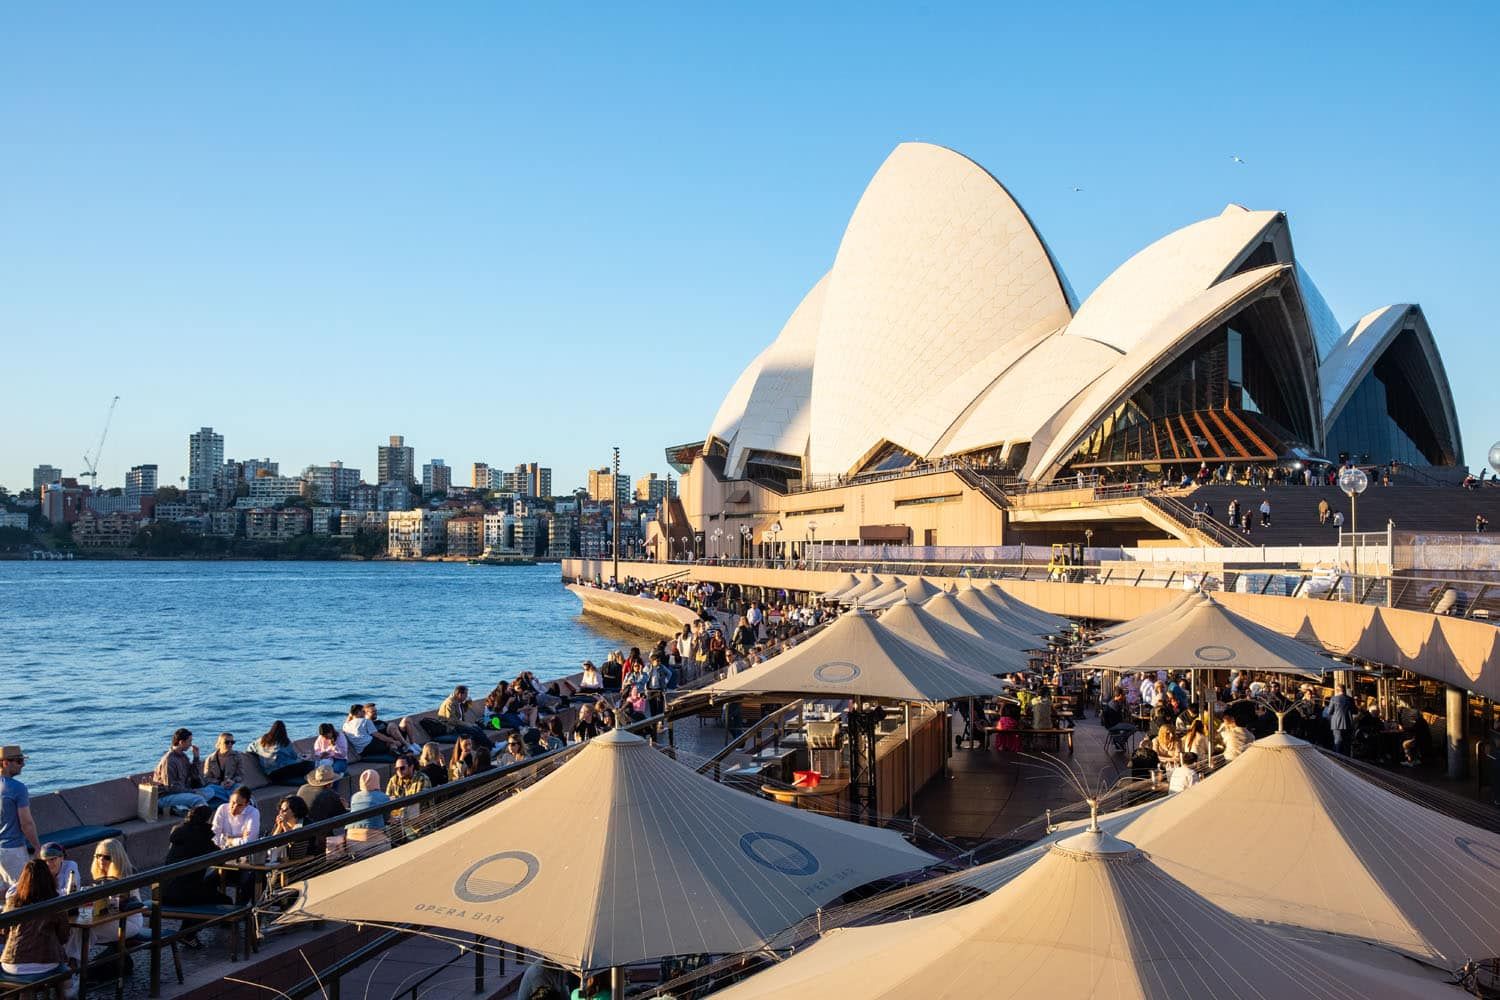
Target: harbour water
column 102, row 660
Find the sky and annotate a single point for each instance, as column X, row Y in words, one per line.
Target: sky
column 530, row 232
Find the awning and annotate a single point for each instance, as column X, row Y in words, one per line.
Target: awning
column 888, row 534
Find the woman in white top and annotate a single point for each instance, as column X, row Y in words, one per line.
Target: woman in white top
column 237, row 821
column 592, row 680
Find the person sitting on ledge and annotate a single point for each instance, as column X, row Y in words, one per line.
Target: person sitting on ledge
column 477, row 758
column 592, row 680
column 368, row 796
column 278, row 758
column 178, row 779
column 358, row 732
column 515, row 751
column 459, row 716
column 394, row 738
column 585, row 728
column 223, row 770
column 553, row 737
column 331, row 748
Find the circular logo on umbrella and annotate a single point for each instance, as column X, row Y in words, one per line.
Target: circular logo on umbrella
column 497, row 876
column 836, row 672
column 1215, row 654
column 778, row 853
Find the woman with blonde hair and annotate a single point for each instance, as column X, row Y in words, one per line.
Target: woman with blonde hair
column 111, row 863
column 456, row 762
column 431, row 763
column 1167, row 748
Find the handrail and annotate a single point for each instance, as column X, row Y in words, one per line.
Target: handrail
column 776, row 717
column 1188, row 518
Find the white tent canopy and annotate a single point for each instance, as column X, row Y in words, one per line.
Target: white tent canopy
column 848, row 582
column 916, row 624
column 1017, row 608
column 1208, row 636
column 892, row 587
column 1091, row 917
column 1287, row 835
column 954, row 612
column 856, row 657
column 867, row 583
column 621, row 855
column 916, row 591
column 1175, row 606
column 1024, row 634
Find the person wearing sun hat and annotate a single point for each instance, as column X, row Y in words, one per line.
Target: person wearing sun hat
column 18, row 838
column 322, row 801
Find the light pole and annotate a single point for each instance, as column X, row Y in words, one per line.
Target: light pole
column 812, row 539
column 667, row 503
column 717, row 535
column 614, row 509
column 744, row 541
column 1353, row 482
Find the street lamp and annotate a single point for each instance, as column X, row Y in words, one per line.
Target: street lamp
column 717, row 535
column 1495, row 458
column 812, row 537
column 1353, row 482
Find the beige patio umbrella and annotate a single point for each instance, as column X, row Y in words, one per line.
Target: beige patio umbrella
column 1208, row 636
column 857, row 657
column 866, row 584
column 1175, row 606
column 621, row 855
column 849, row 582
column 1091, row 917
column 892, row 587
column 951, row 611
column 1017, row 608
column 1287, row 835
column 1025, row 634
column 916, row 591
column 916, row 624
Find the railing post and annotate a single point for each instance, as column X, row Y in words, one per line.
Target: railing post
column 155, row 940
column 478, row 965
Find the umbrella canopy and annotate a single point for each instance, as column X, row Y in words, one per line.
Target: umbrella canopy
column 849, row 582
column 916, row 591
column 1287, row 835
column 857, row 657
column 1023, row 634
column 866, row 584
column 952, row 611
column 918, row 625
column 891, row 588
column 1175, row 606
column 1091, row 917
column 1208, row 636
column 621, row 855
column 1017, row 608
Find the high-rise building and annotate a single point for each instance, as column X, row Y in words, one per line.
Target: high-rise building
column 532, row 480
column 396, row 463
column 205, row 460
column 412, row 534
column 651, row 489
column 140, row 482
column 436, row 477
column 479, row 477
column 331, row 484
column 44, row 475
column 252, row 468
column 605, row 487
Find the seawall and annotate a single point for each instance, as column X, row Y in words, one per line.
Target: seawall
column 640, row 614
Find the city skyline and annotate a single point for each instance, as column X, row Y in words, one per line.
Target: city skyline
column 586, row 229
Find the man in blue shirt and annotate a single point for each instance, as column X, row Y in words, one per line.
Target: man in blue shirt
column 18, row 839
column 1340, row 714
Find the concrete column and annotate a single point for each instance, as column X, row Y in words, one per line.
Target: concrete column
column 1457, row 710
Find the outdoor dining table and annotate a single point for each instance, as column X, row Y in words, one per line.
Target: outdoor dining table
column 85, row 921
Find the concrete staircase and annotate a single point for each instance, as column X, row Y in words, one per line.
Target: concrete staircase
column 1294, row 509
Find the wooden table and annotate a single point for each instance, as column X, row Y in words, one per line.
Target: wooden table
column 86, row 924
column 822, row 799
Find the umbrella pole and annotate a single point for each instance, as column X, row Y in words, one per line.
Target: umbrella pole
column 911, row 766
column 616, row 983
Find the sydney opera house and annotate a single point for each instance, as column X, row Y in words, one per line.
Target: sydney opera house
column 943, row 363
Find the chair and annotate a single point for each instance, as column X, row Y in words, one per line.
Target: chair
column 51, row 984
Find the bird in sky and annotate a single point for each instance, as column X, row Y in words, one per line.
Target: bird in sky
column 1236, row 159
column 1078, row 189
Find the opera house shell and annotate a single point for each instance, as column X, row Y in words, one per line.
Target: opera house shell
column 946, row 332
column 947, row 329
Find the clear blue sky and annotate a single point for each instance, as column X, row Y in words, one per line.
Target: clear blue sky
column 517, row 233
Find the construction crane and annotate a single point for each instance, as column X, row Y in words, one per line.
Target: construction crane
column 91, row 465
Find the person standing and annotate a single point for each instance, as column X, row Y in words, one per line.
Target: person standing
column 1323, row 512
column 18, row 838
column 1340, row 714
column 1265, row 513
